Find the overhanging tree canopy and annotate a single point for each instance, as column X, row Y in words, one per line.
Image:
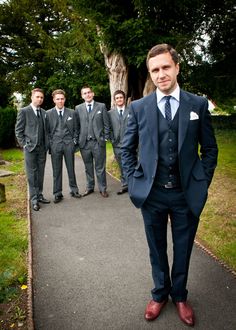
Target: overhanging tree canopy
column 56, row 43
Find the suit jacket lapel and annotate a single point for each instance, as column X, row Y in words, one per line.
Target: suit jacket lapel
column 95, row 109
column 184, row 117
column 32, row 113
column 66, row 115
column 84, row 110
column 126, row 112
column 151, row 114
column 117, row 114
column 55, row 119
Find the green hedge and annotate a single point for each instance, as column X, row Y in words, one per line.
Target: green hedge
column 7, row 127
column 224, row 122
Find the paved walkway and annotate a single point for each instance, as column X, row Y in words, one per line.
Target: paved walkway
column 91, row 268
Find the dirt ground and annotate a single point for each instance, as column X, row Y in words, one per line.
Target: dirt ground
column 13, row 315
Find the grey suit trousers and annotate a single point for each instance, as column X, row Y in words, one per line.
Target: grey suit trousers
column 117, row 153
column 94, row 156
column 57, row 152
column 34, row 165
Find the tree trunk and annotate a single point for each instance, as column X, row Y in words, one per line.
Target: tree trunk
column 149, row 86
column 118, row 73
column 2, row 193
column 116, row 68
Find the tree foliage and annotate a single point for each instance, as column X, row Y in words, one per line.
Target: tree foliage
column 45, row 44
column 132, row 27
column 55, row 44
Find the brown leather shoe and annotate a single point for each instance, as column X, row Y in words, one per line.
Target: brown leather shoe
column 185, row 312
column 104, row 193
column 153, row 309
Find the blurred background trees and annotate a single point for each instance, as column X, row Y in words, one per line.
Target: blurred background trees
column 70, row 43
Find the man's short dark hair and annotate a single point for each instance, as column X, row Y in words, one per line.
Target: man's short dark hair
column 58, row 91
column 85, row 87
column 161, row 49
column 119, row 92
column 35, row 90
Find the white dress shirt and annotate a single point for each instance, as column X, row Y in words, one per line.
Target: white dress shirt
column 174, row 101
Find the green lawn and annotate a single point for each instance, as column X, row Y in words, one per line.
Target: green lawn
column 13, row 227
column 217, row 229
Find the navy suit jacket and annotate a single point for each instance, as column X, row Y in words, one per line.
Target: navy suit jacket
column 140, row 149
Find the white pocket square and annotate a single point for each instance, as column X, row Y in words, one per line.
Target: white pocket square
column 99, row 112
column 69, row 118
column 193, row 116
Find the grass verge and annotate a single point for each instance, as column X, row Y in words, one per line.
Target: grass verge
column 217, row 228
column 13, row 244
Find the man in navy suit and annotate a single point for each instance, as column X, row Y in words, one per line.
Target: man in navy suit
column 167, row 176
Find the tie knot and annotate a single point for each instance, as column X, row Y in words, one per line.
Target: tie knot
column 60, row 113
column 168, row 98
column 38, row 112
column 121, row 112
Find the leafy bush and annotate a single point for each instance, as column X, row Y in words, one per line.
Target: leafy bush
column 224, row 122
column 7, row 126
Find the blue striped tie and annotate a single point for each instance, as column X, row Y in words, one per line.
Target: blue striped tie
column 168, row 109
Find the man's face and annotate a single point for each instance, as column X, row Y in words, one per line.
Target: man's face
column 163, row 72
column 59, row 100
column 37, row 99
column 119, row 100
column 87, row 95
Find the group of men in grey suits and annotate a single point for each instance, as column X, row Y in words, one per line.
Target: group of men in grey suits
column 62, row 132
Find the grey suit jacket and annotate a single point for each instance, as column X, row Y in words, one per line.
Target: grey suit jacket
column 118, row 129
column 140, row 149
column 52, row 119
column 100, row 123
column 26, row 129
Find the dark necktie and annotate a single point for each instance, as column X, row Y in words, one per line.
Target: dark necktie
column 38, row 112
column 121, row 113
column 60, row 114
column 168, row 109
column 89, row 108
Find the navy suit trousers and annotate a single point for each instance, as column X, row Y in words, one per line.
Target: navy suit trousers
column 163, row 204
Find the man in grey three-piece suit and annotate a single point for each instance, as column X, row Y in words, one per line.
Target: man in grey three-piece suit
column 31, row 134
column 118, row 120
column 62, row 139
column 93, row 130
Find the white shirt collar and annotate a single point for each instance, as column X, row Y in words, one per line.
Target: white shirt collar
column 175, row 94
column 89, row 103
column 60, row 110
column 34, row 108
